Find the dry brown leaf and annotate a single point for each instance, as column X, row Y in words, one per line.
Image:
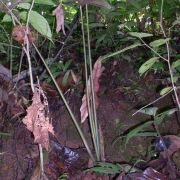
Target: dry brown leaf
column 37, row 119
column 96, row 73
column 19, row 34
column 59, row 13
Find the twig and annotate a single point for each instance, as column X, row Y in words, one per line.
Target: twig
column 168, row 59
column 152, row 102
column 153, row 50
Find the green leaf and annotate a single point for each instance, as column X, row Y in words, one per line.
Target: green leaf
column 100, row 3
column 38, row 22
column 147, row 134
column 176, row 63
column 158, row 118
column 147, row 65
column 140, row 35
column 24, row 5
column 106, row 168
column 94, row 25
column 176, row 22
column 120, row 51
column 4, row 134
column 159, row 42
column 134, row 132
column 43, row 2
column 149, row 111
column 165, row 90
column 100, row 39
column 7, row 18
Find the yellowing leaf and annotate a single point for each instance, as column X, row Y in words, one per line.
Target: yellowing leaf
column 165, row 90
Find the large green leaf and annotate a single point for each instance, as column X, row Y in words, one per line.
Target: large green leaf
column 140, row 35
column 147, row 65
column 159, row 42
column 38, row 22
column 43, row 2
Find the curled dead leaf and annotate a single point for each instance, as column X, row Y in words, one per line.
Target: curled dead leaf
column 59, row 13
column 96, row 73
column 37, row 118
column 19, row 34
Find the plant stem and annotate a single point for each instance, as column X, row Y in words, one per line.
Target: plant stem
column 67, row 106
column 92, row 91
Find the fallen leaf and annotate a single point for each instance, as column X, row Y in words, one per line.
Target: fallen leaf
column 147, row 174
column 96, row 73
column 37, row 119
column 59, row 13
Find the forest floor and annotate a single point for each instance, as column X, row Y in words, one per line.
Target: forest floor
column 121, row 94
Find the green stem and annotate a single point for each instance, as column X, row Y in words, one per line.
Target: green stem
column 92, row 90
column 67, row 106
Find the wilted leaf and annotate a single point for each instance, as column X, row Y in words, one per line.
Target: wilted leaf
column 174, row 145
column 38, row 22
column 37, row 120
column 159, row 42
column 96, row 73
column 147, row 65
column 147, row 174
column 59, row 13
column 140, row 35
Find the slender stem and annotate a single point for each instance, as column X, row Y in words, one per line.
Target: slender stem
column 161, row 97
column 11, row 59
column 31, row 76
column 66, row 104
column 86, row 71
column 153, row 50
column 92, row 90
column 168, row 58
